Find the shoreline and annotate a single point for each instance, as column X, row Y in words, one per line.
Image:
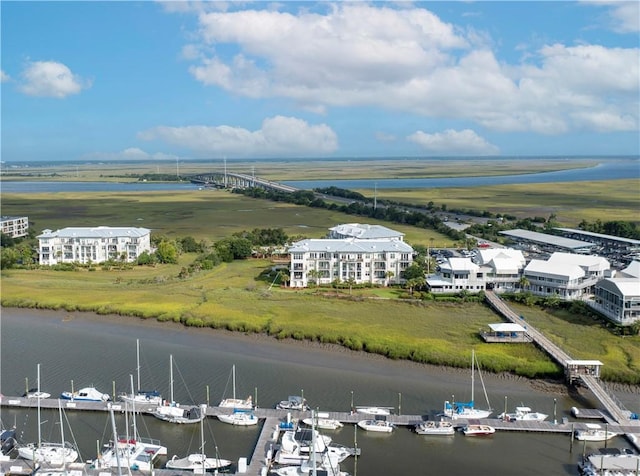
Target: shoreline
column 549, row 386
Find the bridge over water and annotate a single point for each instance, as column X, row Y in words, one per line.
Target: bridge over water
column 587, row 372
column 235, row 180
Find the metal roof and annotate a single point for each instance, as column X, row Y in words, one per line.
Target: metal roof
column 349, row 245
column 507, row 327
column 547, row 239
column 600, row 235
column 95, row 232
column 369, row 232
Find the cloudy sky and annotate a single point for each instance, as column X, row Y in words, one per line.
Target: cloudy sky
column 162, row 80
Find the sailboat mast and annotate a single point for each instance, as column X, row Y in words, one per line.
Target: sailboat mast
column 473, row 373
column 39, row 418
column 133, row 403
column 61, row 431
column 233, row 370
column 137, row 364
column 171, row 375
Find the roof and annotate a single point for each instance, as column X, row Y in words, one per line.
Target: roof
column 95, row 232
column 10, row 218
column 626, row 287
column 488, row 254
column 507, row 327
column 366, row 232
column 349, row 245
column 633, row 269
column 545, row 238
column 570, row 271
column 600, row 235
column 584, row 362
column 590, row 262
column 506, row 265
column 459, row 264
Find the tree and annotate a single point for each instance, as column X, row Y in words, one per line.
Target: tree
column 241, row 248
column 389, row 275
column 413, row 271
column 350, row 282
column 524, row 282
column 284, row 276
column 315, row 275
column 167, row 252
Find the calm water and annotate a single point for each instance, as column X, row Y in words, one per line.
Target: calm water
column 102, row 351
column 609, row 169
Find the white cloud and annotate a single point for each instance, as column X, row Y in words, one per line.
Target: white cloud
column 407, row 59
column 278, row 136
column 623, row 16
column 50, row 79
column 4, row 77
column 451, row 142
column 132, row 153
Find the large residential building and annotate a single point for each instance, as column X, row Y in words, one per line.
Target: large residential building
column 15, row 227
column 566, row 275
column 364, row 232
column 93, row 245
column 618, row 297
column 495, row 268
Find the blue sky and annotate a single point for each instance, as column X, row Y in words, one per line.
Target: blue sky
column 204, row 80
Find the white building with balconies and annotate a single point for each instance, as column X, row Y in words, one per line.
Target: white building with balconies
column 93, row 245
column 361, row 261
column 15, row 227
column 566, row 275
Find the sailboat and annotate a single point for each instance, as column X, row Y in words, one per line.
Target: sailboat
column 198, row 462
column 175, row 413
column 50, row 454
column 152, row 397
column 234, row 402
column 131, row 451
column 467, row 409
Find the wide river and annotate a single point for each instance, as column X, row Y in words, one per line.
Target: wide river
column 101, row 351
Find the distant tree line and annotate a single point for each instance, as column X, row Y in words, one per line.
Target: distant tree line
column 623, row 229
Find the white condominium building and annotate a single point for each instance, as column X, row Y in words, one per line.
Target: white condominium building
column 364, row 232
column 95, row 245
column 15, row 227
column 618, row 299
column 379, row 262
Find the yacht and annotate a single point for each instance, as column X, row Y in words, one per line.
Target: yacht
column 523, row 414
column 384, row 411
column 468, row 409
column 478, row 430
column 234, row 402
column 239, row 418
column 321, row 421
column 442, row 427
column 86, row 394
column 197, row 463
column 594, row 432
column 293, row 402
column 381, row 426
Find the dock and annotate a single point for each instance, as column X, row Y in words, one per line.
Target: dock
column 259, row 462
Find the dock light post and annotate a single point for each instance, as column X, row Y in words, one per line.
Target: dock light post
column 255, row 400
column 113, row 389
column 606, row 434
column 399, row 403
column 352, row 400
column 555, row 420
column 207, row 389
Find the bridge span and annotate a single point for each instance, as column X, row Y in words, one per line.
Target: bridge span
column 586, row 372
column 235, row 180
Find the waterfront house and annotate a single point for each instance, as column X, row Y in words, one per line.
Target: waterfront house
column 323, row 261
column 93, row 244
column 15, row 227
column 618, row 297
column 565, row 275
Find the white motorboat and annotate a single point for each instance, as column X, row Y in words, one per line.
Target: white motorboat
column 468, row 410
column 86, row 394
column 234, row 402
column 325, row 464
column 198, row 462
column 321, row 421
column 173, row 412
column 523, row 414
column 381, row 426
column 35, row 393
column 239, row 418
column 478, row 430
column 442, row 427
column 293, row 402
column 594, row 432
column 51, row 454
column 384, row 411
column 141, row 397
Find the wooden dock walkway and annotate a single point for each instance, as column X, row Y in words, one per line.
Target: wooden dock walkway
column 617, row 414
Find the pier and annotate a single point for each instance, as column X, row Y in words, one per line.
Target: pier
column 586, row 372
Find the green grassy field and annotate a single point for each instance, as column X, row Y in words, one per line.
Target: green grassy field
column 204, row 214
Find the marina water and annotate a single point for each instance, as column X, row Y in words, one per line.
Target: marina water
column 100, row 351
